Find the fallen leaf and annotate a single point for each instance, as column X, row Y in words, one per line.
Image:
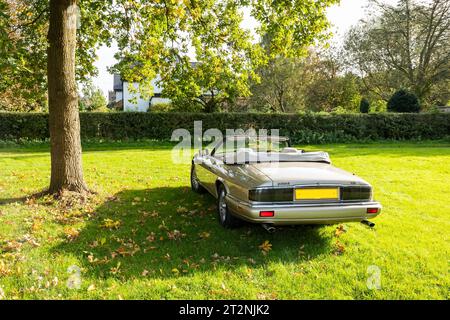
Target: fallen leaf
column 175, row 235
column 154, row 214
column 181, row 209
column 266, row 296
column 55, row 281
column 71, row 233
column 339, row 248
column 11, row 246
column 110, row 224
column 301, row 250
column 91, row 258
column 30, row 201
column 4, row 269
column 163, row 226
column 339, row 230
column 215, row 256
column 151, row 237
column 265, row 247
column 116, row 269
column 112, row 198
column 204, row 235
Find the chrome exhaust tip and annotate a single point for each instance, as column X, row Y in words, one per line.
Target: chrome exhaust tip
column 269, row 228
column 368, row 223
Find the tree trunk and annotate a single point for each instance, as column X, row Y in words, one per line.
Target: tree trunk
column 64, row 120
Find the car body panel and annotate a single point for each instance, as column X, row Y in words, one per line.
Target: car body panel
column 291, row 214
column 239, row 179
column 300, row 173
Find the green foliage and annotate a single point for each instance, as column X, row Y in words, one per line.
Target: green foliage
column 23, row 55
column 23, row 49
column 158, row 38
column 302, row 128
column 364, row 105
column 378, row 106
column 403, row 45
column 161, row 107
column 315, row 82
column 403, row 101
column 224, row 51
column 92, row 99
column 280, row 84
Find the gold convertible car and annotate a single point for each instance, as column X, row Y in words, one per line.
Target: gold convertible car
column 264, row 180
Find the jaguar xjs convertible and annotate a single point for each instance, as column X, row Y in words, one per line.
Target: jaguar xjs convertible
column 266, row 181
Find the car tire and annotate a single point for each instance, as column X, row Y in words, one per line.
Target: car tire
column 226, row 219
column 195, row 184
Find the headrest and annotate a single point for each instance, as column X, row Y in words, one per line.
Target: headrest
column 289, row 150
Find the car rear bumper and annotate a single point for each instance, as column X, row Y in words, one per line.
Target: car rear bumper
column 290, row 214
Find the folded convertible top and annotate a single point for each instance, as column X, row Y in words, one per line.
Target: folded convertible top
column 250, row 156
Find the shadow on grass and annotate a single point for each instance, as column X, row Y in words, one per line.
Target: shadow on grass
column 89, row 146
column 173, row 232
column 386, row 148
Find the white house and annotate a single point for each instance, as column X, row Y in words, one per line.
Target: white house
column 123, row 93
column 444, row 109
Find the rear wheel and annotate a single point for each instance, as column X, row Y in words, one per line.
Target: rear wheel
column 226, row 219
column 195, row 184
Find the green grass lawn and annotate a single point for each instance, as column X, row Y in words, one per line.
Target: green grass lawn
column 145, row 235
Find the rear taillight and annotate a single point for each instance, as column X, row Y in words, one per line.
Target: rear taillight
column 266, row 214
column 271, row 195
column 356, row 193
column 372, row 210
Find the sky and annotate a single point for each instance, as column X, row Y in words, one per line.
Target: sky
column 341, row 16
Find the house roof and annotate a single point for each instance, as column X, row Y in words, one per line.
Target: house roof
column 118, row 83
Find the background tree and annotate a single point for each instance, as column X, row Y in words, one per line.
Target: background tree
column 364, row 105
column 23, row 55
column 153, row 37
column 23, row 49
column 406, row 45
column 403, row 101
column 279, row 87
column 331, row 88
column 92, row 98
column 315, row 82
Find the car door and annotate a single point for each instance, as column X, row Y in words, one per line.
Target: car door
column 203, row 167
column 208, row 173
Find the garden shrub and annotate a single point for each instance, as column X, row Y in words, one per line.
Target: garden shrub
column 403, row 101
column 302, row 128
column 364, row 105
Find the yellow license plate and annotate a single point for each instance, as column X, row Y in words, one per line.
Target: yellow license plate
column 317, row 194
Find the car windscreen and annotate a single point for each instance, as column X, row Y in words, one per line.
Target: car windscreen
column 232, row 145
column 248, row 150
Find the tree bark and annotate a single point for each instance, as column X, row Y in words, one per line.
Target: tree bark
column 64, row 120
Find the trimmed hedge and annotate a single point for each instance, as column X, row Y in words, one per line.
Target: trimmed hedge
column 302, row 128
